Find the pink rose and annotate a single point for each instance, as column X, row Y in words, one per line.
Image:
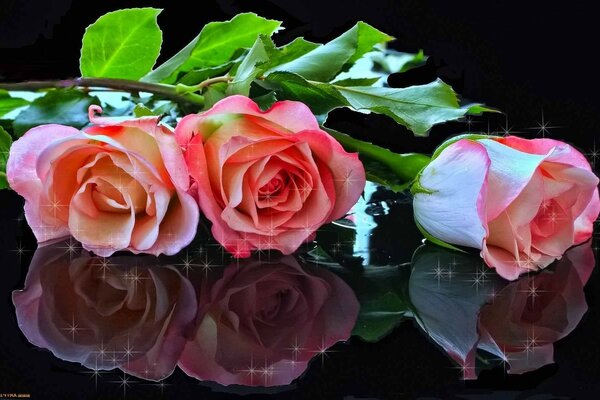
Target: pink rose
column 119, row 184
column 267, row 180
column 522, row 202
column 124, row 312
column 260, row 323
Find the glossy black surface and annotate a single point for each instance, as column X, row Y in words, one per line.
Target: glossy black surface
column 522, row 58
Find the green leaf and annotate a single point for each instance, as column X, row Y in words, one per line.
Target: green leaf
column 418, row 108
column 8, row 103
column 121, row 44
column 199, row 75
column 141, row 110
column 321, row 99
column 379, row 65
column 215, row 45
column 295, row 49
column 266, row 100
column 251, row 67
column 404, row 167
column 356, row 82
column 213, row 94
column 326, row 61
column 5, row 143
column 67, row 107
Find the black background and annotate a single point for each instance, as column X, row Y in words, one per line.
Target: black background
column 522, row 57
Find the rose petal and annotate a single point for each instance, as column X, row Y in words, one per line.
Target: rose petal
column 453, row 212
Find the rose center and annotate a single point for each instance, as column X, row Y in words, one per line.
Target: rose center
column 271, row 188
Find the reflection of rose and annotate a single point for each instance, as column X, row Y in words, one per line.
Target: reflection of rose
column 261, row 323
column 106, row 315
column 528, row 316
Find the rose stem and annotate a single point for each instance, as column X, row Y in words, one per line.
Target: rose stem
column 160, row 89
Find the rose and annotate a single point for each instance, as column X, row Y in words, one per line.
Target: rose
column 529, row 315
column 119, row 184
column 261, row 323
column 267, row 180
column 522, row 202
column 121, row 312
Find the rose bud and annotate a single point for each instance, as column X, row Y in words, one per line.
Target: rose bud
column 267, row 180
column 119, row 184
column 522, row 202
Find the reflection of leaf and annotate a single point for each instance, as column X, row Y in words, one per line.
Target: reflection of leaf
column 382, row 294
column 5, row 142
column 66, row 107
column 121, row 44
column 379, row 315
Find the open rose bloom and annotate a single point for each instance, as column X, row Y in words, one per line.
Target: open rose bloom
column 267, row 180
column 522, row 202
column 119, row 184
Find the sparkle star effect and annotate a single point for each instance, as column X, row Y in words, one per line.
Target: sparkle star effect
column 533, row 291
column 70, row 248
column 593, row 154
column 479, row 278
column 125, row 382
column 187, row 264
column 160, row 385
column 20, row 250
column 543, row 127
column 322, row 351
column 95, row 374
column 506, row 130
column 73, row 328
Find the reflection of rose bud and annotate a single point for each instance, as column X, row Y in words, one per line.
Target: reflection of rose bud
column 106, row 313
column 464, row 309
column 529, row 315
column 261, row 323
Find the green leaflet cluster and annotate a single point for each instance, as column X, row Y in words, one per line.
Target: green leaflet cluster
column 239, row 56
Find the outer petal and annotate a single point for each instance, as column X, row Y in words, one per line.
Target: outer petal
column 23, row 178
column 566, row 154
column 291, row 116
column 347, row 170
column 584, row 224
column 510, row 171
column 455, row 210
